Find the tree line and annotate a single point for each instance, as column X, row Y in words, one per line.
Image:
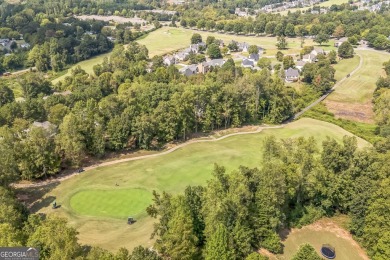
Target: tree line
column 125, row 107
column 236, row 213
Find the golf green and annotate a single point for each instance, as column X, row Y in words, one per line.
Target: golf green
column 118, row 203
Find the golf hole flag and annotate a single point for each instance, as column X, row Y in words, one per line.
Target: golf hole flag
column 19, row 253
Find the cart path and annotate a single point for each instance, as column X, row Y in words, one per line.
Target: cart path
column 60, row 178
column 323, row 97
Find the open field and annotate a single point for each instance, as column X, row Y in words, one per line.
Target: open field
column 352, row 99
column 100, row 222
column 86, row 65
column 324, row 231
column 323, row 4
column 168, row 39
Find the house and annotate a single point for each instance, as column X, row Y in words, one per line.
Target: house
column 169, row 60
column 299, row 65
column 340, row 41
column 254, row 57
column 243, row 46
column 291, row 75
column 309, row 58
column 181, row 56
column 4, row 42
column 206, row 66
column 196, row 48
column 25, row 45
column 112, row 39
column 189, row 70
column 317, row 51
column 247, row 63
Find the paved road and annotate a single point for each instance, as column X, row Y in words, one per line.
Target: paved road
column 329, row 92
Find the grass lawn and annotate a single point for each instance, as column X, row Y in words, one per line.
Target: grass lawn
column 86, row 65
column 345, row 66
column 324, row 231
column 353, row 98
column 168, row 39
column 111, row 203
column 98, row 208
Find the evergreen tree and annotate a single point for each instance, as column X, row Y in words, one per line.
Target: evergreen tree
column 218, row 245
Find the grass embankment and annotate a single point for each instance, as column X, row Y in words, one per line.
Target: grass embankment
column 100, row 218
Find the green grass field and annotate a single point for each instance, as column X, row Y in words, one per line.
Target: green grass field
column 344, row 249
column 360, row 86
column 111, row 203
column 98, row 208
column 86, row 65
column 345, row 66
column 352, row 99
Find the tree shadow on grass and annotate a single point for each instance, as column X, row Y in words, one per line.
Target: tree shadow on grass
column 35, row 197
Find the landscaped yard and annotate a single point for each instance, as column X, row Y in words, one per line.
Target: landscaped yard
column 352, row 99
column 97, row 202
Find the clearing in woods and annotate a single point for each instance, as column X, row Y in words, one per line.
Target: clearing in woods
column 352, row 99
column 97, row 206
column 324, row 231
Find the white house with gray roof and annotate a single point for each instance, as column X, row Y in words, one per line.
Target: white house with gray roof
column 291, row 75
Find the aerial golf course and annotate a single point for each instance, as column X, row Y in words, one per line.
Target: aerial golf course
column 97, row 202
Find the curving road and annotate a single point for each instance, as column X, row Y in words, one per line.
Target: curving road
column 63, row 177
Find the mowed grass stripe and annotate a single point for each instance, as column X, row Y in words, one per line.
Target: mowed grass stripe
column 111, row 203
column 360, row 86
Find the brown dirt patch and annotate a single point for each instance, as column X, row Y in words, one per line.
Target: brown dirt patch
column 329, row 225
column 352, row 111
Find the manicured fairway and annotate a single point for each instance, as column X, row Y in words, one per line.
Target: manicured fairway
column 168, row 39
column 352, row 99
column 191, row 165
column 86, row 65
column 111, row 203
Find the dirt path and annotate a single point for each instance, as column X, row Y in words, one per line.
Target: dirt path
column 63, row 177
